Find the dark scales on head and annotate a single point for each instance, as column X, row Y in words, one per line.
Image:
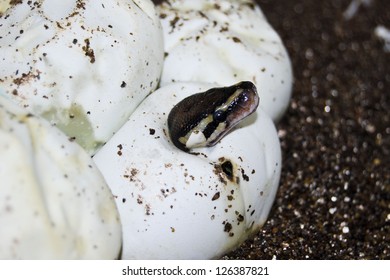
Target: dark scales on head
column 227, row 105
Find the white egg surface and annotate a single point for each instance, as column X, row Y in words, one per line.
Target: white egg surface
column 198, row 205
column 54, row 202
column 224, row 42
column 83, row 65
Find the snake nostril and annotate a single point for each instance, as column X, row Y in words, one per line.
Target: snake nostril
column 227, row 168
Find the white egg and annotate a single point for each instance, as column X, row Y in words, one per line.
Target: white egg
column 225, row 42
column 178, row 205
column 83, row 65
column 54, row 202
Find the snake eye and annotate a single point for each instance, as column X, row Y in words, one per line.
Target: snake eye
column 219, row 116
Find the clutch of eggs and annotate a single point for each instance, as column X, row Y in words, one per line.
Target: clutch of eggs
column 86, row 67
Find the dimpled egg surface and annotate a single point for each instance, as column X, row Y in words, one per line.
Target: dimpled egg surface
column 82, row 65
column 196, row 205
column 224, row 42
column 54, row 202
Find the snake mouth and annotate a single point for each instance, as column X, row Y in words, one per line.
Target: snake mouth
column 242, row 104
column 203, row 119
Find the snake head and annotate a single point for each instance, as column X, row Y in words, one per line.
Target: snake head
column 203, row 119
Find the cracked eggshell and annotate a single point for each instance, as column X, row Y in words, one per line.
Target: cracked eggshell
column 54, row 202
column 176, row 205
column 83, row 65
column 225, row 42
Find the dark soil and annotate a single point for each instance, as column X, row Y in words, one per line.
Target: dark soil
column 334, row 196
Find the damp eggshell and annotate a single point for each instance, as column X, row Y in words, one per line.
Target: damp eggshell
column 199, row 205
column 4, row 5
column 225, row 42
column 83, row 65
column 54, row 202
